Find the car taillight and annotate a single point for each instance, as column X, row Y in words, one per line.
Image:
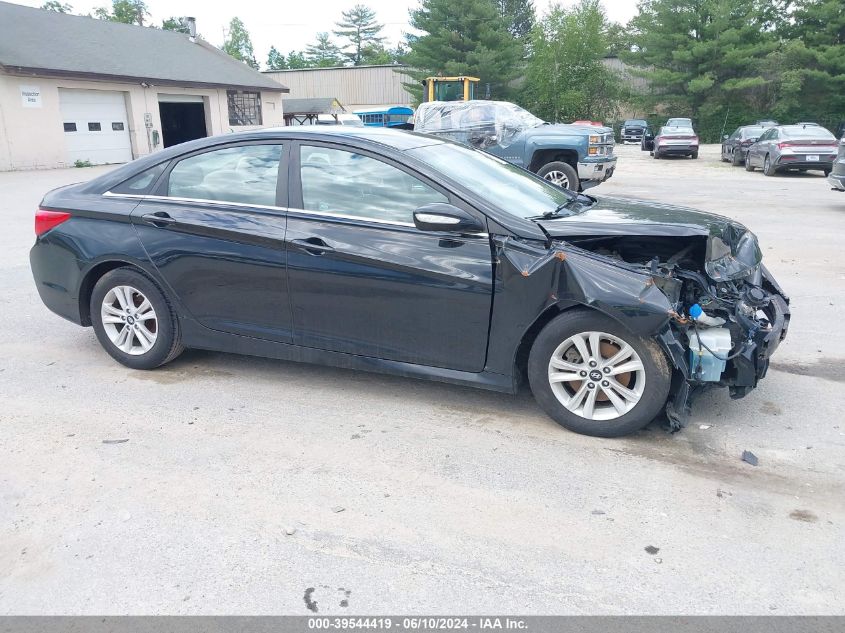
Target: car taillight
column 785, row 144
column 695, row 139
column 46, row 220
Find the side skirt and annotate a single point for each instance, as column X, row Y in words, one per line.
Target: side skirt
column 195, row 336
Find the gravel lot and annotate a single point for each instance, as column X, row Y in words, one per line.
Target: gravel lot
column 251, row 486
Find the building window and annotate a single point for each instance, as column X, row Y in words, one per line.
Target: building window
column 70, row 127
column 244, row 107
column 117, row 127
column 94, row 127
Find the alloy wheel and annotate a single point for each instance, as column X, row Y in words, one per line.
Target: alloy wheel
column 597, row 376
column 129, row 320
column 558, row 178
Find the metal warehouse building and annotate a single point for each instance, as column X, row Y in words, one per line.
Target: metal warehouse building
column 75, row 88
column 356, row 87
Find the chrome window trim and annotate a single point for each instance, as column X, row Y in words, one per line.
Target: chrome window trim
column 132, row 196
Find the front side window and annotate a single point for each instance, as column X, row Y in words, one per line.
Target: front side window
column 511, row 188
column 246, row 174
column 244, row 107
column 344, row 183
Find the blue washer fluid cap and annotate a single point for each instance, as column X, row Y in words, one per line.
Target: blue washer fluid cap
column 695, row 311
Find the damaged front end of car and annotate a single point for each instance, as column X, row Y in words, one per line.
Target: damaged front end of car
column 703, row 295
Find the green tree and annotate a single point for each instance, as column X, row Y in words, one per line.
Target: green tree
column 323, row 53
column 708, row 58
column 125, row 11
column 808, row 70
column 238, row 44
column 175, row 24
column 566, row 77
column 276, row 60
column 297, row 60
column 361, row 30
column 462, row 38
column 56, row 6
column 518, row 16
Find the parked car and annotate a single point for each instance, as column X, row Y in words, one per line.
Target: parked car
column 572, row 156
column 680, row 122
column 766, row 123
column 735, row 146
column 793, row 147
column 675, row 141
column 836, row 178
column 380, row 250
column 632, row 130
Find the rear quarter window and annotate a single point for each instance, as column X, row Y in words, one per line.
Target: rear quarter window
column 141, row 183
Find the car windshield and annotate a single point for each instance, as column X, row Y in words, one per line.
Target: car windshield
column 679, row 122
column 753, row 132
column 509, row 187
column 807, row 131
column 636, row 122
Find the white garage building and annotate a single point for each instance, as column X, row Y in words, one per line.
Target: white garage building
column 75, row 88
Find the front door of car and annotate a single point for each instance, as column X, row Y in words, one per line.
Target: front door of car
column 363, row 280
column 753, row 156
column 215, row 230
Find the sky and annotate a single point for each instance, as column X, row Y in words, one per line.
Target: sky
column 292, row 24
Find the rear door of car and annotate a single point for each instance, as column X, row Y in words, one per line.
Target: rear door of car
column 214, row 227
column 364, row 280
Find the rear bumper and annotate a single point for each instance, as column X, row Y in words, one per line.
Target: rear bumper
column 788, row 161
column 676, row 149
column 57, row 275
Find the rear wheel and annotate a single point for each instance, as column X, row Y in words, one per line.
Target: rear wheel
column 694, row 155
column 826, row 172
column 561, row 174
column 748, row 165
column 594, row 377
column 656, row 155
column 133, row 320
column 769, row 168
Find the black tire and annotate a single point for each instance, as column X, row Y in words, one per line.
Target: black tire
column 658, row 375
column 736, row 161
column 768, row 168
column 748, row 165
column 565, row 168
column 826, row 172
column 656, row 155
column 167, row 345
column 694, row 155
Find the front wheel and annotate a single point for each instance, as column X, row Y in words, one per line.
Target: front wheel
column 561, row 174
column 748, row 165
column 594, row 377
column 735, row 159
column 133, row 320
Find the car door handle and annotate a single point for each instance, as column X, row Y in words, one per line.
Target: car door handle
column 159, row 219
column 312, row 246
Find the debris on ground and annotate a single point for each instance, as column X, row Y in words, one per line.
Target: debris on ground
column 749, row 458
column 704, row 427
column 651, row 549
column 597, row 512
column 290, row 531
column 337, row 509
column 121, row 441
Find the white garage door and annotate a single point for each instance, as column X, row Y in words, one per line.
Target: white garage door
column 96, row 126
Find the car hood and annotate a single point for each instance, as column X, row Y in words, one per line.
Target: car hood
column 567, row 128
column 732, row 250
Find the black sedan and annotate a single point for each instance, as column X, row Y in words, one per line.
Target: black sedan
column 401, row 253
column 735, row 147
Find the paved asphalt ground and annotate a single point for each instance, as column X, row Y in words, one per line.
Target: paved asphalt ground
column 227, row 496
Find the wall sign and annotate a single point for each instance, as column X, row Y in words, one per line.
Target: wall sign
column 31, row 96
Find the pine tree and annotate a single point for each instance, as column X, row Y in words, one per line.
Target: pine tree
column 323, row 53
column 125, row 11
column 518, row 16
column 276, row 60
column 56, row 6
column 175, row 24
column 238, row 44
column 360, row 28
column 462, row 38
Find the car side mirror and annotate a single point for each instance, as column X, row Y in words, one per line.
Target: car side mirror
column 440, row 216
column 725, row 137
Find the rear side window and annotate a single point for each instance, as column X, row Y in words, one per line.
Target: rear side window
column 142, row 183
column 245, row 174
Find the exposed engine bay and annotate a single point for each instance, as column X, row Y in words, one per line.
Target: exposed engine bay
column 727, row 313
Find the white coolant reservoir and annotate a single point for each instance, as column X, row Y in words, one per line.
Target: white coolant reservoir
column 708, row 364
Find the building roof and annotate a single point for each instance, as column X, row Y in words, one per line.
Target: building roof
column 37, row 42
column 320, row 105
column 319, row 68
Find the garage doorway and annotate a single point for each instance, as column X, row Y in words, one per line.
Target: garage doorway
column 182, row 118
column 95, row 125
